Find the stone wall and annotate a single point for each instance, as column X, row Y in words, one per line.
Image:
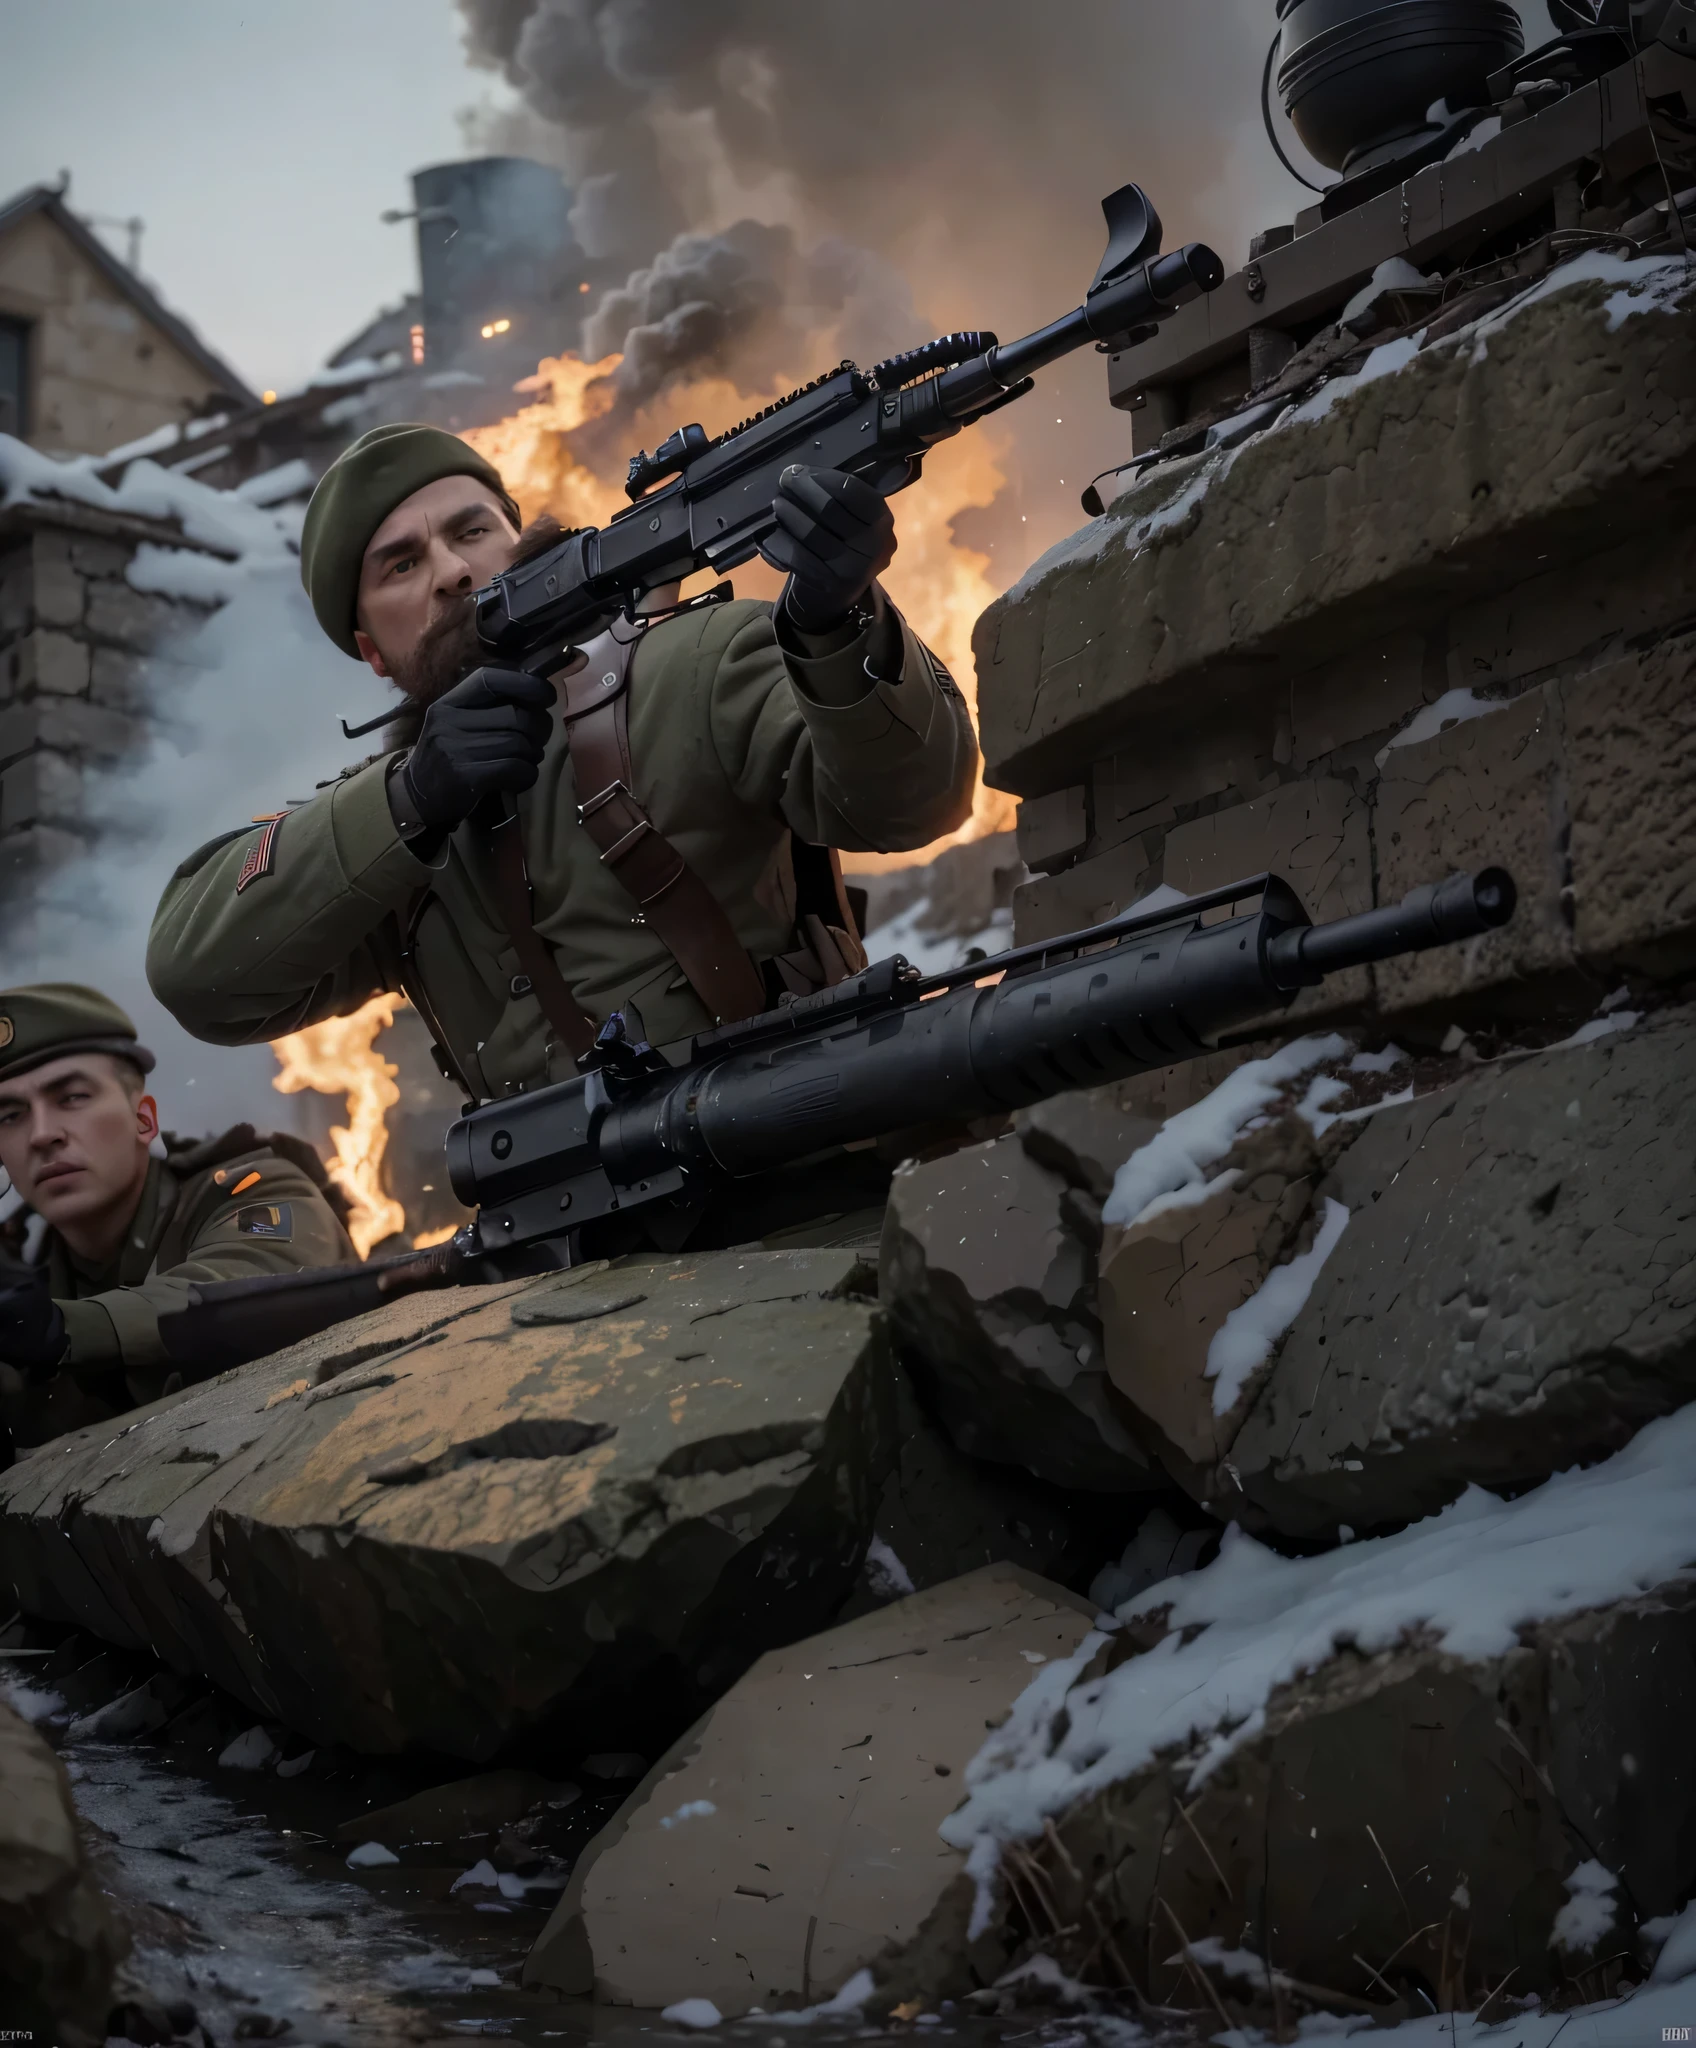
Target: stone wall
column 83, row 672
column 1442, row 613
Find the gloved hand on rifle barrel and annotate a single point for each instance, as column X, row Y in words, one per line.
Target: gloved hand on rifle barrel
column 835, row 536
column 485, row 736
column 33, row 1336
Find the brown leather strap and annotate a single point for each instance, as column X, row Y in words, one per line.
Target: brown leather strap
column 512, row 892
column 671, row 898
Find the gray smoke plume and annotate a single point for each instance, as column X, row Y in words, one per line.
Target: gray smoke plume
column 745, row 303
column 966, row 147
column 963, row 150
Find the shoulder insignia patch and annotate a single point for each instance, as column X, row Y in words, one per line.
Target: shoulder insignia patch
column 265, row 1219
column 261, row 855
column 8, row 1031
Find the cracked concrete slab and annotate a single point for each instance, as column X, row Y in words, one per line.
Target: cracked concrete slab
column 582, row 1503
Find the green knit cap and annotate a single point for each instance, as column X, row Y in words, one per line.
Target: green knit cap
column 52, row 1018
column 357, row 493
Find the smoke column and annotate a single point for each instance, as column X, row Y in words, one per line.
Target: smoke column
column 963, row 149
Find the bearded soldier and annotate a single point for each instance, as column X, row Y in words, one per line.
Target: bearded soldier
column 657, row 829
column 132, row 1220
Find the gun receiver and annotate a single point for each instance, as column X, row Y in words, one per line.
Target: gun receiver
column 704, row 502
column 886, row 1050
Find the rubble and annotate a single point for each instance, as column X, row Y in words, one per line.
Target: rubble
column 578, row 1504
column 1385, row 1771
column 59, row 1944
column 791, row 1834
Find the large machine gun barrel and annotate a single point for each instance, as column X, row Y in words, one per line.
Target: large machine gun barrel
column 890, row 1049
column 885, row 1051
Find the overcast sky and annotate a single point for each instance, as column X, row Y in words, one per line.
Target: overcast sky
column 258, row 142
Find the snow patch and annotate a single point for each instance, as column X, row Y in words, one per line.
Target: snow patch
column 1386, row 360
column 933, row 953
column 845, row 2005
column 693, row 2012
column 691, row 1809
column 251, row 1751
column 1395, row 274
column 1471, row 1577
column 370, row 1856
column 1590, row 1909
column 1454, row 707
column 1648, row 284
column 31, row 1702
column 1243, row 1342
column 1186, row 1145
column 1598, row 1027
column 886, row 1576
column 1675, row 1935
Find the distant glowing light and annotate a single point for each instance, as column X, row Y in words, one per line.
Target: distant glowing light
column 269, row 397
column 582, row 287
column 495, row 327
column 417, row 338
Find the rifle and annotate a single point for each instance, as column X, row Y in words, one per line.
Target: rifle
column 705, row 503
column 640, row 1145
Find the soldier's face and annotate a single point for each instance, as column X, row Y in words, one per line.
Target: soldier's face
column 74, row 1138
column 421, row 570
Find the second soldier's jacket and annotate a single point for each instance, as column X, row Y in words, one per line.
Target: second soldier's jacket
column 229, row 1208
column 736, row 743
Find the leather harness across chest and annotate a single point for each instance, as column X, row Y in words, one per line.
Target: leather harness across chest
column 670, row 898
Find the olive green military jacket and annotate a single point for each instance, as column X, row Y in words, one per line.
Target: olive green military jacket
column 735, row 741
column 228, row 1209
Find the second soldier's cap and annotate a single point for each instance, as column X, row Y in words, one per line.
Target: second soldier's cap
column 50, row 1019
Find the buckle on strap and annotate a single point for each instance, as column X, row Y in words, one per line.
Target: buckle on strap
column 587, row 809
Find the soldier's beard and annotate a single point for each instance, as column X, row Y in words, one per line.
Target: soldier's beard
column 445, row 654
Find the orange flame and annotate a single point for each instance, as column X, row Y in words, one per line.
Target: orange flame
column 339, row 1057
column 941, row 585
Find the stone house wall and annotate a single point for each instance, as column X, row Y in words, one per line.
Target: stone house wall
column 84, row 670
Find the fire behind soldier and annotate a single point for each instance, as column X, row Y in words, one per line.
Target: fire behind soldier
column 127, row 1231
column 469, row 865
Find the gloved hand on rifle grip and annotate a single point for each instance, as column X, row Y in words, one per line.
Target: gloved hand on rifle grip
column 33, row 1337
column 486, row 735
column 835, row 536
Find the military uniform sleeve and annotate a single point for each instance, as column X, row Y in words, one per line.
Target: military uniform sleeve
column 272, row 929
column 279, row 1223
column 865, row 744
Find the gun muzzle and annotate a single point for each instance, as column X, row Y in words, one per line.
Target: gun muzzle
column 1435, row 914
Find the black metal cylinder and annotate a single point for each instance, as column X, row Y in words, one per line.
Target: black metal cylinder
column 1357, row 75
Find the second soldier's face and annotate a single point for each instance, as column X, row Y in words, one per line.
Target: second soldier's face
column 74, row 1135
column 423, row 567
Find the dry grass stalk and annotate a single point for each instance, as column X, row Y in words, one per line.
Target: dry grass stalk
column 1201, row 1841
column 1195, row 1969
column 1378, row 1845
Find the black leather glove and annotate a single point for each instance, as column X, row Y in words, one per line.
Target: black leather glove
column 835, row 536
column 486, row 735
column 33, row 1337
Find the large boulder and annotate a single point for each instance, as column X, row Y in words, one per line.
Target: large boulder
column 58, row 1941
column 1417, row 1770
column 988, row 1273
column 791, row 1835
column 1515, row 1290
column 579, row 1505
